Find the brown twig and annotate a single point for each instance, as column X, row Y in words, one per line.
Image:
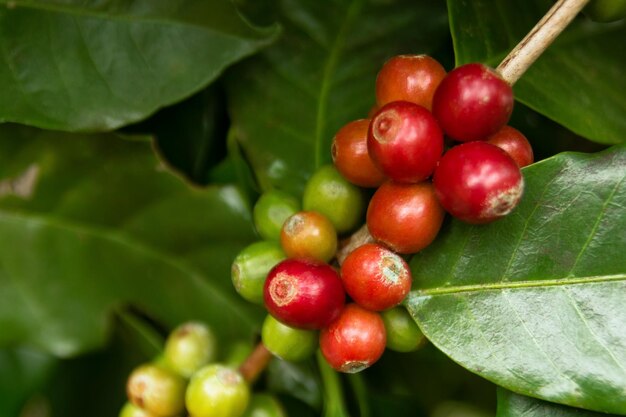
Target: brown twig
column 255, row 363
column 358, row 238
column 539, row 38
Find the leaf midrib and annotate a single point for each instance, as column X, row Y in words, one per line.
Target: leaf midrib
column 76, row 11
column 124, row 240
column 495, row 286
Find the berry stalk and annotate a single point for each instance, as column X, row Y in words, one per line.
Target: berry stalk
column 538, row 39
column 255, row 363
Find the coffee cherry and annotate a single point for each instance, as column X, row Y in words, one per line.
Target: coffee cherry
column 304, row 294
column 309, row 235
column 405, row 141
column 375, row 277
column 252, row 265
column 270, row 212
column 351, row 158
column 330, row 194
column 131, row 410
column 514, row 143
column 189, row 347
column 354, row 341
column 405, row 217
column 403, row 335
column 157, row 390
column 264, row 405
column 217, row 391
column 287, row 342
column 411, row 78
column 478, row 182
column 472, row 102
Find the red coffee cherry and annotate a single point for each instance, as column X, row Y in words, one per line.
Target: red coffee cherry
column 304, row 294
column 478, row 182
column 354, row 341
column 405, row 141
column 472, row 103
column 349, row 152
column 411, row 78
column 310, row 235
column 405, row 217
column 514, row 143
column 375, row 277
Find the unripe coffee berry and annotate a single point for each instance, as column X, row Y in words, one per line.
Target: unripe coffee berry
column 189, row 347
column 514, row 143
column 472, row 103
column 131, row 410
column 351, row 158
column 217, row 391
column 304, row 294
column 309, row 235
column 354, row 341
column 286, row 342
column 330, row 194
column 264, row 405
column 478, row 182
column 403, row 335
column 375, row 277
column 405, row 141
column 405, row 217
column 157, row 390
column 270, row 212
column 411, row 78
column 252, row 265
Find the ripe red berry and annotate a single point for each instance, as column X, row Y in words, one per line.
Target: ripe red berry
column 472, row 103
column 354, row 341
column 478, row 182
column 411, row 78
column 514, row 143
column 304, row 294
column 349, row 152
column 405, row 217
column 405, row 141
column 375, row 277
column 310, row 235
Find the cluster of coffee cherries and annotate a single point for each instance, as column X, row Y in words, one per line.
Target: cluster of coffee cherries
column 186, row 380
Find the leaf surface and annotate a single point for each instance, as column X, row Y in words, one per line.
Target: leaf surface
column 97, row 65
column 535, row 302
column 515, row 405
column 288, row 102
column 578, row 81
column 91, row 223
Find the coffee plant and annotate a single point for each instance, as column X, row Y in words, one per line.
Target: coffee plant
column 341, row 208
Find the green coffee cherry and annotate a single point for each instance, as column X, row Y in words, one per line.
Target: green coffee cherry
column 131, row 410
column 328, row 193
column 403, row 335
column 286, row 342
column 217, row 391
column 270, row 212
column 157, row 390
column 606, row 10
column 251, row 266
column 189, row 347
column 264, row 405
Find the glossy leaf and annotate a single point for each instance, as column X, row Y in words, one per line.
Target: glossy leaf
column 577, row 82
column 288, row 102
column 97, row 65
column 534, row 302
column 515, row 405
column 90, row 223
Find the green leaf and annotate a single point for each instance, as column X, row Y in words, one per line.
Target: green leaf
column 577, row 82
column 535, row 302
column 90, row 223
column 515, row 405
column 97, row 65
column 288, row 102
